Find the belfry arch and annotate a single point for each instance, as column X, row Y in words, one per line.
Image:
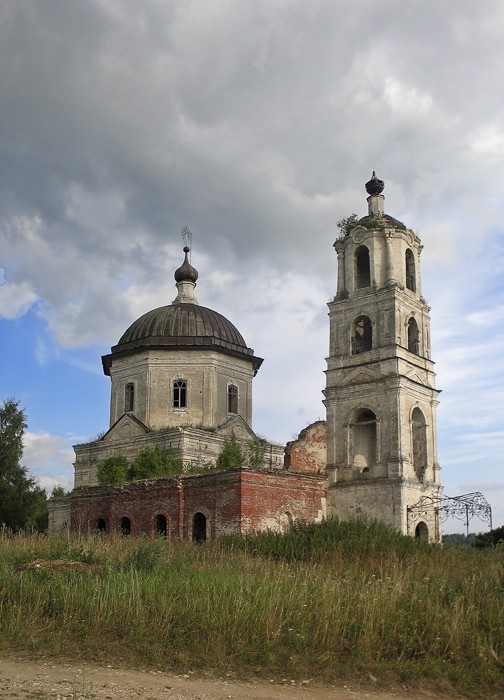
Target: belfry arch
column 410, row 270
column 362, row 268
column 413, row 336
column 362, row 335
column 363, row 451
column 419, row 442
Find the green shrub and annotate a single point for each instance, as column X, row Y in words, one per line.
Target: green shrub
column 155, row 462
column 231, row 454
column 256, row 452
column 113, row 470
column 315, row 541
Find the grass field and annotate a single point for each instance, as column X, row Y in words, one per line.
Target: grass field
column 332, row 601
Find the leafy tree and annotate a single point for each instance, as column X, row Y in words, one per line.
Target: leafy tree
column 256, row 452
column 346, row 224
column 459, row 540
column 490, row 539
column 57, row 492
column 231, row 454
column 155, row 462
column 22, row 504
column 113, row 470
column 38, row 518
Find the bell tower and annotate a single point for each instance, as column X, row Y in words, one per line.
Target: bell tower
column 380, row 394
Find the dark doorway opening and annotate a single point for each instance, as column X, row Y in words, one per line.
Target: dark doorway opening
column 422, row 532
column 125, row 526
column 161, row 526
column 101, row 525
column 199, row 530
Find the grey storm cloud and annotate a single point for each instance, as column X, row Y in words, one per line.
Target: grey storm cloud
column 256, row 123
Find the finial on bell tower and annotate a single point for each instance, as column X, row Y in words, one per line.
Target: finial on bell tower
column 374, row 188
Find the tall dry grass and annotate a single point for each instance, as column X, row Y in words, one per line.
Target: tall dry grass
column 355, row 600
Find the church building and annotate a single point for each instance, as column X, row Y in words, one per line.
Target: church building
column 181, row 380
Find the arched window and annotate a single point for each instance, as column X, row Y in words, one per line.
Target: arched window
column 362, row 336
column 410, row 271
column 179, row 393
column 419, row 440
column 199, row 529
column 129, row 398
column 101, row 525
column 363, row 432
column 161, row 526
column 125, row 526
column 232, row 399
column 413, row 336
column 362, row 268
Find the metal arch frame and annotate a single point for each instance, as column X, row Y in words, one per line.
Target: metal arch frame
column 463, row 508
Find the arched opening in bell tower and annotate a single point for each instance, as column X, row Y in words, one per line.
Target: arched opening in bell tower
column 232, row 399
column 413, row 336
column 362, row 273
column 363, row 440
column 362, row 335
column 419, row 440
column 410, row 271
column 129, row 398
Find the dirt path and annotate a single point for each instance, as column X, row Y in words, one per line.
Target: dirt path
column 22, row 679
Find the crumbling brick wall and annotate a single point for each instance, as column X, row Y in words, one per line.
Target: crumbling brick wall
column 238, row 500
column 307, row 454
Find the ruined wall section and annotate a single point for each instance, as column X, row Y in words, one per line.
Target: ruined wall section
column 308, row 453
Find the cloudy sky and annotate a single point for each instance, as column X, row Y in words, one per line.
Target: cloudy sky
column 256, row 123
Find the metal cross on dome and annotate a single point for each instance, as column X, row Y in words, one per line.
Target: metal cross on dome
column 187, row 236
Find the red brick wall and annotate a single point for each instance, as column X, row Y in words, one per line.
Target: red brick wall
column 267, row 497
column 233, row 501
column 308, row 454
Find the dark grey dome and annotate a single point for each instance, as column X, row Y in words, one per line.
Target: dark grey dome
column 183, row 321
column 184, row 327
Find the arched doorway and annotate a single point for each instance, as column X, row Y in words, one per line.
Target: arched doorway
column 161, row 526
column 422, row 531
column 199, row 528
column 101, row 525
column 125, row 526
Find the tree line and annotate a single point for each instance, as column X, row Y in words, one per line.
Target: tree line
column 23, row 504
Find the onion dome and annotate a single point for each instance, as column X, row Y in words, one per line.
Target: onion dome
column 374, row 186
column 186, row 272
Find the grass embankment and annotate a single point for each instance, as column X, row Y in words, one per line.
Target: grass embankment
column 325, row 602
